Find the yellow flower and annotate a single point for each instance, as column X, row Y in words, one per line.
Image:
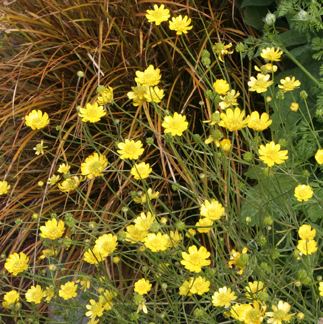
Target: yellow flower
column 271, row 54
column 223, row 297
column 195, row 259
column 52, row 230
column 94, row 165
column 306, row 232
column 106, row 297
column 321, row 288
column 221, row 86
column 307, row 247
column 289, row 84
column 220, row 49
column 260, row 84
column 106, row 244
column 34, row 294
column 130, row 149
column 157, row 242
column 39, row 148
column 68, row 290
column 134, row 234
column 154, row 94
column 137, row 95
column 142, row 286
column 212, row 209
column 16, row 263
column 95, row 309
column 49, row 294
column 294, row 106
column 69, row 184
column 150, row 77
column 141, row 170
column 259, row 123
column 146, row 196
column 47, row 253
column 63, row 168
column 271, row 154
column 158, row 14
column 318, row 158
column 144, row 221
column 175, row 238
column 280, row 313
column 233, row 120
column 255, row 290
column 105, row 95
column 225, row 145
column 4, row 187
column 204, row 225
column 239, row 259
column 180, row 24
column 36, row 119
column 93, row 256
column 92, row 113
column 303, row 192
column 248, row 313
column 267, row 68
column 199, row 286
column 175, row 125
column 10, row 298
column 53, row 179
column 230, row 99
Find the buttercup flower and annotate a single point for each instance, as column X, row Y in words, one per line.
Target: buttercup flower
column 52, row 230
column 94, row 165
column 146, row 196
column 233, row 120
column 150, row 77
column 48, row 294
column 175, row 125
column 34, row 294
column 289, row 84
column 307, row 247
column 180, row 24
column 63, row 168
column 223, row 297
column 141, row 170
column 137, row 95
column 142, row 286
column 194, row 286
column 94, row 309
column 158, row 14
column 271, row 154
column 321, row 288
column 39, row 148
column 239, row 260
column 4, row 187
column 195, row 259
column 220, row 49
column 318, row 158
column 10, row 298
column 212, row 209
column 106, row 244
column 130, row 149
column 53, row 179
column 229, row 100
column 135, row 234
column 260, row 84
column 267, row 68
column 93, row 256
column 271, row 54
column 36, row 119
column 68, row 290
column 157, row 242
column 16, row 263
column 306, row 232
column 154, row 94
column 204, row 225
column 303, row 192
column 69, row 184
column 294, row 106
column 221, row 86
column 256, row 290
column 259, row 123
column 144, row 221
column 105, row 95
column 92, row 113
column 280, row 313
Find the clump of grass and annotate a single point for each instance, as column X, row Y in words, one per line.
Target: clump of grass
column 213, row 207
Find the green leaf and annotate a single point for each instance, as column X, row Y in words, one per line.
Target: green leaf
column 255, row 3
column 253, row 16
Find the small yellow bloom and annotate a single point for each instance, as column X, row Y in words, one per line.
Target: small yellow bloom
column 93, row 256
column 321, row 288
column 158, row 14
column 142, row 286
column 259, row 123
column 157, row 242
column 233, row 120
column 223, row 297
column 39, row 148
column 260, row 84
column 255, row 289
column 229, row 100
column 105, row 95
column 271, row 54
column 49, row 294
column 143, row 197
column 303, row 192
column 68, row 290
column 307, row 247
column 271, row 154
column 94, row 309
column 144, row 221
column 130, row 149
column 175, row 125
column 69, row 184
column 225, row 145
column 63, row 168
column 221, row 86
column 318, row 158
column 141, row 170
column 289, row 84
column 94, row 165
column 150, row 77
column 306, row 232
column 52, row 230
column 53, row 179
column 294, row 106
column 36, row 119
column 92, row 113
column 16, row 263
column 238, row 259
column 175, row 238
column 47, row 253
column 106, row 244
column 34, row 294
column 137, row 95
column 154, row 94
column 204, row 225
column 10, row 298
column 280, row 313
column 180, row 24
column 195, row 259
column 212, row 209
column 135, row 234
column 4, row 187
column 267, row 68
column 220, row 49
column 194, row 286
